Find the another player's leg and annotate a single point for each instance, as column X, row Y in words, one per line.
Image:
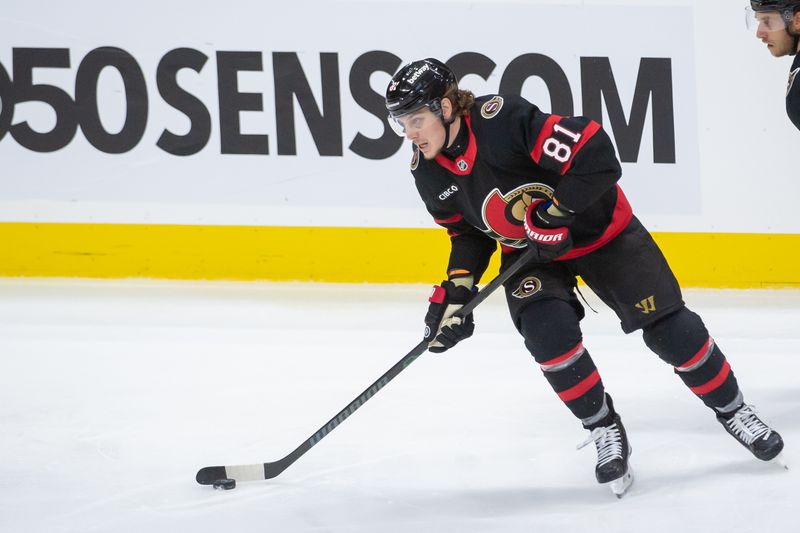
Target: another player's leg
column 681, row 339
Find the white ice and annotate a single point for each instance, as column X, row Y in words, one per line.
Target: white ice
column 113, row 394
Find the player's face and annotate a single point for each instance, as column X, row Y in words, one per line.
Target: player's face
column 425, row 129
column 771, row 29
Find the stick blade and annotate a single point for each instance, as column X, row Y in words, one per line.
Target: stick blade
column 209, row 474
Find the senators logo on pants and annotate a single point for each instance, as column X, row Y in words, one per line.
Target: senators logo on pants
column 527, row 287
column 503, row 214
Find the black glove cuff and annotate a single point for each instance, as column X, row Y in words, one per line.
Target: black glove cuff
column 457, row 294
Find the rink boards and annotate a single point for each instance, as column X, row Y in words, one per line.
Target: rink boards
column 384, row 255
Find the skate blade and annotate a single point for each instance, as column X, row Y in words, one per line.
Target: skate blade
column 621, row 485
column 780, row 460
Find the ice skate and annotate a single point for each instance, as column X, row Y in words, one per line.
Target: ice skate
column 613, row 450
column 745, row 426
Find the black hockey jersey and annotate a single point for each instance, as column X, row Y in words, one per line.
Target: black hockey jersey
column 516, row 153
column 793, row 93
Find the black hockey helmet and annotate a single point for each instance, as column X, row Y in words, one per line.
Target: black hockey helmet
column 786, row 8
column 773, row 5
column 416, row 85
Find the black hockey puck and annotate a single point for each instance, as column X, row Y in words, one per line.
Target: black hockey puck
column 225, row 484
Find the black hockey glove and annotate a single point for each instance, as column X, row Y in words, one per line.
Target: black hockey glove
column 442, row 329
column 546, row 232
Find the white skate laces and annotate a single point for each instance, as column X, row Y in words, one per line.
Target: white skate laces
column 608, row 441
column 746, row 426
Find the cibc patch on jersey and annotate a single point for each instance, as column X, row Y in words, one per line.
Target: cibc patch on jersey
column 492, row 107
column 503, row 214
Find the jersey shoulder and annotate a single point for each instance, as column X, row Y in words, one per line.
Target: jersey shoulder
column 499, row 117
column 498, row 108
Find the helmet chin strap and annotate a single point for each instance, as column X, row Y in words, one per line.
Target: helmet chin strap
column 446, row 125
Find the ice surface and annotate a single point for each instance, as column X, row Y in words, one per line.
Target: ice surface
column 113, row 394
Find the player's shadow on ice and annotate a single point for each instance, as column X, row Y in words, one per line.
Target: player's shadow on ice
column 482, row 503
column 508, row 501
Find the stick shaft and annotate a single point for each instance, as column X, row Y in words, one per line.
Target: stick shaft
column 209, row 474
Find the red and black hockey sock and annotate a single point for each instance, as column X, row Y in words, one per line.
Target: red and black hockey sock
column 576, row 380
column 681, row 339
column 553, row 336
column 708, row 374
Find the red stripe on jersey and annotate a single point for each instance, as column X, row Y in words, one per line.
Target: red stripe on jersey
column 715, row 382
column 588, row 132
column 547, row 130
column 699, row 355
column 452, row 233
column 508, row 249
column 463, row 164
column 619, row 221
column 581, row 388
column 451, row 220
column 563, row 357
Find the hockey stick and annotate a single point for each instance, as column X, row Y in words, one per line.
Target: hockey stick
column 254, row 472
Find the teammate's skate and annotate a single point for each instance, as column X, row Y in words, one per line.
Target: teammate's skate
column 613, row 451
column 752, row 432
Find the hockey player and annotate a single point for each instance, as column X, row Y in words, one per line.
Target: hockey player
column 496, row 169
column 777, row 24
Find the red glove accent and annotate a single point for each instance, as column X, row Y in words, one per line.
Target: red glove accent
column 442, row 329
column 438, row 294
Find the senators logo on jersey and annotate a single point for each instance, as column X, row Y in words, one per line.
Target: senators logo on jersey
column 492, row 107
column 503, row 214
